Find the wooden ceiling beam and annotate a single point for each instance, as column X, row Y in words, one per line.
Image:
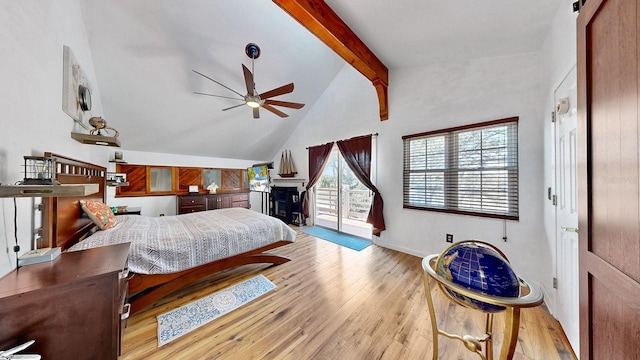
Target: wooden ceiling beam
column 323, row 22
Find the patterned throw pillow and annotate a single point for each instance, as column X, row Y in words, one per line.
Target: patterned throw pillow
column 100, row 213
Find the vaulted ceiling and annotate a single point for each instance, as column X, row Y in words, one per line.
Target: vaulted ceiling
column 144, row 52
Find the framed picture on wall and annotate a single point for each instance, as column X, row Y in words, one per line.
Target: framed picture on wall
column 76, row 90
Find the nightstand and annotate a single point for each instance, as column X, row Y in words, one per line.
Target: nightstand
column 131, row 210
column 71, row 306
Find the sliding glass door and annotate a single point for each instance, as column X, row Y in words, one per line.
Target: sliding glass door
column 342, row 202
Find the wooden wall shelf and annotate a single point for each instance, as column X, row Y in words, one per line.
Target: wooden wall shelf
column 10, row 191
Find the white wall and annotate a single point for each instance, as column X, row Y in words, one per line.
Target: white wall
column 434, row 97
column 32, row 36
column 558, row 58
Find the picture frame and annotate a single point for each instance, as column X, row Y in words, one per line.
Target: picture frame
column 74, row 81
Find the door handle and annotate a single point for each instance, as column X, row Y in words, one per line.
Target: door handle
column 569, row 229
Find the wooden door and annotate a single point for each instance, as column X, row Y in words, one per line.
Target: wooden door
column 608, row 186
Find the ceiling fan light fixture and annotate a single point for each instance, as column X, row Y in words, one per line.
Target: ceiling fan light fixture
column 253, row 103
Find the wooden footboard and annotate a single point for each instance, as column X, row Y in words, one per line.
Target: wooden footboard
column 144, row 290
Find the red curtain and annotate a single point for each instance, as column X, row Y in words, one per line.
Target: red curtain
column 357, row 154
column 318, row 157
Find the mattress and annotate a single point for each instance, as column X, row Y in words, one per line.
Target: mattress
column 167, row 244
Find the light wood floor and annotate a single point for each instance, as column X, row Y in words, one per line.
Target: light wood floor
column 334, row 303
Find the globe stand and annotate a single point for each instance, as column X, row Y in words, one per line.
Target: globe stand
column 532, row 297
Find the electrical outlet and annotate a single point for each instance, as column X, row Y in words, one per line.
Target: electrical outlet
column 449, row 238
column 161, row 214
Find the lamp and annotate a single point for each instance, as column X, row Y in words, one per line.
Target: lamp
column 253, row 103
column 38, row 170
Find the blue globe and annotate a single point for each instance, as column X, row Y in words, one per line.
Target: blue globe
column 480, row 267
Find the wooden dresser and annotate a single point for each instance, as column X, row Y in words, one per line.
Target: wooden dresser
column 71, row 306
column 201, row 202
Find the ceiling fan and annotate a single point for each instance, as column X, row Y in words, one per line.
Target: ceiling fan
column 254, row 99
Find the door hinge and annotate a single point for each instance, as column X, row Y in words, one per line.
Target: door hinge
column 554, row 200
column 555, row 283
column 553, row 116
column 578, row 5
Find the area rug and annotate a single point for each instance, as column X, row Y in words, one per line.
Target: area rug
column 180, row 321
column 351, row 242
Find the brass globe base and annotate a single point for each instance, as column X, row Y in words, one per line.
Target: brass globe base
column 533, row 297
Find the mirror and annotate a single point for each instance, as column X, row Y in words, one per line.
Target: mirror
column 212, row 176
column 160, row 179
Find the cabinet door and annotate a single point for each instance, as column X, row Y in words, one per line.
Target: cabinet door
column 231, row 179
column 218, row 201
column 136, row 177
column 187, row 177
column 212, row 176
column 161, row 180
column 213, row 202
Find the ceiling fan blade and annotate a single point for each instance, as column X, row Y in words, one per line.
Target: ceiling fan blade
column 284, row 103
column 248, row 79
column 226, row 87
column 285, row 89
column 235, row 106
column 274, row 110
column 220, row 96
column 256, row 113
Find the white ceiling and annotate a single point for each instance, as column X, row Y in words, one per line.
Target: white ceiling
column 144, row 52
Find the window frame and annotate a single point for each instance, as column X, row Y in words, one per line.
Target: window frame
column 451, row 170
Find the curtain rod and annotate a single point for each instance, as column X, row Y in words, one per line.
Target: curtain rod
column 374, row 134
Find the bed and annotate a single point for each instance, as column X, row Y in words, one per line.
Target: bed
column 168, row 252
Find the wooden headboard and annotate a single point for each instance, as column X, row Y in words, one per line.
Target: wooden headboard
column 63, row 223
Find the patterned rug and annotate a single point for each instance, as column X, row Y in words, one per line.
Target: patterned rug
column 180, row 321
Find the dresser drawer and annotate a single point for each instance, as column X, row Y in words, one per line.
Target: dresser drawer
column 184, row 201
column 239, row 197
column 191, row 209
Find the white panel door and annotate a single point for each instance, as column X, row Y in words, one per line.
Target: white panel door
column 567, row 209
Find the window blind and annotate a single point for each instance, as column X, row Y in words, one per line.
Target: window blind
column 469, row 170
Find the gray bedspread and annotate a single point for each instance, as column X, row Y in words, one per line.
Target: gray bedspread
column 167, row 244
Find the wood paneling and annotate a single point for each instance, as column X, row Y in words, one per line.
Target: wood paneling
column 334, row 303
column 231, row 178
column 136, row 177
column 189, row 176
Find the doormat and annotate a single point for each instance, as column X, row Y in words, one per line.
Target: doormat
column 180, row 321
column 351, row 242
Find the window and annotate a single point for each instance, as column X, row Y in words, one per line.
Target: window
column 470, row 170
